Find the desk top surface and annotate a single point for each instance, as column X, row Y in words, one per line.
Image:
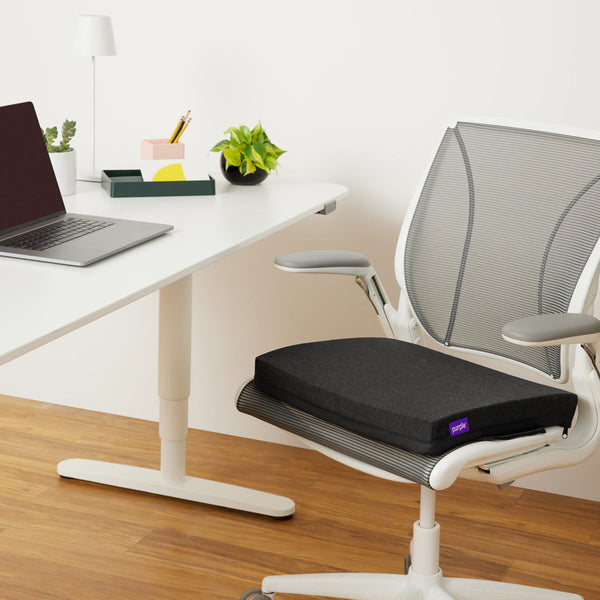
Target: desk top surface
column 41, row 301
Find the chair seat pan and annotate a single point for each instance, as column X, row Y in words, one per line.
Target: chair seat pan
column 409, row 396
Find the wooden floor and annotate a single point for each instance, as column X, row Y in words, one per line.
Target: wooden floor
column 64, row 539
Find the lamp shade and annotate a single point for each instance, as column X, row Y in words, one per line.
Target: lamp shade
column 94, row 36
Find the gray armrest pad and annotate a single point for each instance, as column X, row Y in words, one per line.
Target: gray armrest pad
column 554, row 329
column 322, row 259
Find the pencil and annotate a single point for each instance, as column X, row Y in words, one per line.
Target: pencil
column 182, row 130
column 178, row 128
column 176, row 131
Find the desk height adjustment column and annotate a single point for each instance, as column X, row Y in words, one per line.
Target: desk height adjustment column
column 174, row 367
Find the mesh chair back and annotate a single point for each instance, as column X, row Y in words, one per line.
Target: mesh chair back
column 505, row 223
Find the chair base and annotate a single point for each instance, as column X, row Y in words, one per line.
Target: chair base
column 376, row 586
column 424, row 580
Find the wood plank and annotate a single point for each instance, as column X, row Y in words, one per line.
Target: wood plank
column 563, row 577
column 65, row 539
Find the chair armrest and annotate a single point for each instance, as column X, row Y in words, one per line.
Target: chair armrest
column 339, row 262
column 342, row 262
column 553, row 330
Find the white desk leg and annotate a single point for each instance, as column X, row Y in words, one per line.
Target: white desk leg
column 173, row 389
column 174, row 366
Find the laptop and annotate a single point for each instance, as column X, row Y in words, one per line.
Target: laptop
column 34, row 224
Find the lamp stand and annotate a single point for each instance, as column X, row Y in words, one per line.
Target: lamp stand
column 94, row 176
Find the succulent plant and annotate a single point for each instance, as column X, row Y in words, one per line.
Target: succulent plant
column 50, row 134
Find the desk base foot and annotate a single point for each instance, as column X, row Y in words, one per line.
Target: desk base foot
column 191, row 488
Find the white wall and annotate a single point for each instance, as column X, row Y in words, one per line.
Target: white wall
column 357, row 92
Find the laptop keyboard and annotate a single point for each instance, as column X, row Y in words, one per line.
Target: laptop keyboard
column 55, row 234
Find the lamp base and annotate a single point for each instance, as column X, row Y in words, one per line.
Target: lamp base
column 92, row 177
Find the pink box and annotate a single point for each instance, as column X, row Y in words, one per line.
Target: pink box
column 161, row 149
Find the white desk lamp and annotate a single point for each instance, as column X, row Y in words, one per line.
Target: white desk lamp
column 94, row 37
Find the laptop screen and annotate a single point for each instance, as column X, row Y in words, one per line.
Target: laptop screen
column 28, row 188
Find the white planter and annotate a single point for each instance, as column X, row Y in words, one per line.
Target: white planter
column 65, row 170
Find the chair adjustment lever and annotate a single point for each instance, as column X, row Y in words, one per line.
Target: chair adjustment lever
column 363, row 286
column 589, row 350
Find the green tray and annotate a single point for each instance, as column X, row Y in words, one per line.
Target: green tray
column 130, row 183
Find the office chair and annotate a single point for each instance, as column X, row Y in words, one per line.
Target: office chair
column 488, row 371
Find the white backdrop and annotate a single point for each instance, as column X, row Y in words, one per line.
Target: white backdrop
column 357, row 92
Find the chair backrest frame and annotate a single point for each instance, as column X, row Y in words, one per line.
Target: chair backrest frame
column 407, row 324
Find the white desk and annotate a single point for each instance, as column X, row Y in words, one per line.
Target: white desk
column 41, row 302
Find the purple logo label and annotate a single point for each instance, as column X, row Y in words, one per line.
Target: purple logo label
column 461, row 426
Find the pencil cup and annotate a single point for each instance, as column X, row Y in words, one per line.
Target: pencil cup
column 161, row 149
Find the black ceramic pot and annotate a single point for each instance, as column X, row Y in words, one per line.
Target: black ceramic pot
column 234, row 176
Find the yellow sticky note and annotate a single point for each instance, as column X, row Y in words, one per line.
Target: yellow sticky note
column 170, row 173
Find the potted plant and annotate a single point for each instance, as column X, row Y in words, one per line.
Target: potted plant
column 248, row 156
column 62, row 156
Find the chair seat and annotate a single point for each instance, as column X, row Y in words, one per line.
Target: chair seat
column 409, row 396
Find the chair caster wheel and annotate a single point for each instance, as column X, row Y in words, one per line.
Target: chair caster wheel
column 407, row 563
column 255, row 594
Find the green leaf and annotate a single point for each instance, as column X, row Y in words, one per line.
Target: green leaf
column 258, row 136
column 235, row 136
column 247, row 167
column 68, row 129
column 51, row 134
column 261, row 165
column 258, row 133
column 270, row 163
column 232, row 156
column 259, row 149
column 246, row 134
column 278, row 151
column 68, row 132
column 258, row 154
column 220, row 146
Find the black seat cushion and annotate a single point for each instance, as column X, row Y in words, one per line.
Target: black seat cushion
column 409, row 396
